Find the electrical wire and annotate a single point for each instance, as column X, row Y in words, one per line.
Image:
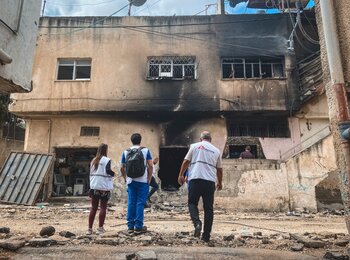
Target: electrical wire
column 153, row 4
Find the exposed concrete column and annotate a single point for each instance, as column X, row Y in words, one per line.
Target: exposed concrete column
column 221, row 7
column 337, row 79
column 293, row 84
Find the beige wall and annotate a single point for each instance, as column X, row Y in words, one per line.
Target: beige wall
column 119, row 64
column 308, row 169
column 6, row 146
column 16, row 76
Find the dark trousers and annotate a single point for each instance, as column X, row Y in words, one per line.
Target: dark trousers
column 205, row 189
column 94, row 206
column 154, row 186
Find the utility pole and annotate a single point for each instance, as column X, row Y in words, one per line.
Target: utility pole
column 43, row 10
column 338, row 86
column 221, row 7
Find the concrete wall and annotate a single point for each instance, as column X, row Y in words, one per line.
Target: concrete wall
column 18, row 42
column 119, row 64
column 306, row 170
column 6, row 146
column 253, row 185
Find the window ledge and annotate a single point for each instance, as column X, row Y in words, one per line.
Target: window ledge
column 254, row 79
column 169, row 78
column 71, row 80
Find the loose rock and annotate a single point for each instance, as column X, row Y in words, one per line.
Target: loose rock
column 4, row 230
column 297, row 247
column 11, row 244
column 335, row 255
column 67, row 234
column 146, row 255
column 40, row 242
column 341, row 242
column 47, row 231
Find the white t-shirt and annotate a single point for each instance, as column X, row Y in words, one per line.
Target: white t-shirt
column 205, row 158
column 146, row 156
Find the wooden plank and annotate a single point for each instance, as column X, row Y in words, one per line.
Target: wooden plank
column 40, row 178
column 28, row 178
column 33, row 180
column 10, row 172
column 12, row 188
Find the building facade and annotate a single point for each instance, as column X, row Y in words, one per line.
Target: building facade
column 169, row 78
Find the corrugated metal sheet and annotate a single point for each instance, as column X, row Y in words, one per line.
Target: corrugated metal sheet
column 23, row 175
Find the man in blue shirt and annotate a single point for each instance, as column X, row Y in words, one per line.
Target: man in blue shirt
column 137, row 187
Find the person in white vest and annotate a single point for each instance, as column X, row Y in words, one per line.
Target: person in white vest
column 101, row 185
column 206, row 170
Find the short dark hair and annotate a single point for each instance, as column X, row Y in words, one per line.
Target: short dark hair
column 136, row 138
column 247, row 148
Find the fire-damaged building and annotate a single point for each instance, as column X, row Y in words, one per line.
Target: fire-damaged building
column 241, row 77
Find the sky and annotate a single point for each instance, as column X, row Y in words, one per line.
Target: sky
column 150, row 8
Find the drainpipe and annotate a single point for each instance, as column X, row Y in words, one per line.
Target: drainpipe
column 338, row 84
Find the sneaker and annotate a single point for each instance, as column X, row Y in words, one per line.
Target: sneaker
column 130, row 230
column 197, row 230
column 205, row 238
column 100, row 231
column 139, row 231
column 89, row 232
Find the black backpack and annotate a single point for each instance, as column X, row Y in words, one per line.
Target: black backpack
column 135, row 163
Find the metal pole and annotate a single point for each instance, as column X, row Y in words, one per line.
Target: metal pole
column 337, row 78
column 221, row 7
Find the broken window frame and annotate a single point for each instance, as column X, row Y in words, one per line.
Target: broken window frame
column 75, row 64
column 234, row 62
column 277, row 127
column 90, row 131
column 165, row 67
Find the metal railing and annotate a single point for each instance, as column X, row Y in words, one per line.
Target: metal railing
column 318, row 136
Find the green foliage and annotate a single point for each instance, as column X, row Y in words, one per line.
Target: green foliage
column 4, row 103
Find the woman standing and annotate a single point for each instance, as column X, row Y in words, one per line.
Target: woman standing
column 100, row 186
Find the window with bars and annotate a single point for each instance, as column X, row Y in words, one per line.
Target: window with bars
column 89, row 131
column 175, row 67
column 70, row 69
column 245, row 68
column 267, row 127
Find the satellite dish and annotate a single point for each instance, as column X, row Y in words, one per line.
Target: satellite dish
column 137, row 2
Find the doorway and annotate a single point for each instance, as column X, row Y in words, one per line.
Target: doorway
column 71, row 171
column 170, row 160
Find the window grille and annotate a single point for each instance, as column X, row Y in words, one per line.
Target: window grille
column 175, row 67
column 89, row 131
column 268, row 127
column 74, row 69
column 245, row 68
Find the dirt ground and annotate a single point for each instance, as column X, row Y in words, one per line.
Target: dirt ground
column 168, row 220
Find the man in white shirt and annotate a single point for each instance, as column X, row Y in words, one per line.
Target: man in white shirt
column 206, row 170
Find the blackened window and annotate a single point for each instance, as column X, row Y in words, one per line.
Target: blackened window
column 246, row 68
column 89, row 131
column 262, row 127
column 74, row 69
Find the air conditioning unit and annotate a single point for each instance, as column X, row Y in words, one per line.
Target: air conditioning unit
column 166, row 74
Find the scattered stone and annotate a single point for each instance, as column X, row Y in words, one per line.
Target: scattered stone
column 67, row 234
column 265, row 241
column 257, row 233
column 130, row 256
column 335, row 255
column 11, row 244
column 47, row 231
column 40, row 242
column 341, row 242
column 297, row 247
column 310, row 243
column 111, row 234
column 4, row 230
column 107, row 241
column 229, row 238
column 146, row 255
column 145, row 239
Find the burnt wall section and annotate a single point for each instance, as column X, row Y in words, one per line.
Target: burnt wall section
column 120, row 47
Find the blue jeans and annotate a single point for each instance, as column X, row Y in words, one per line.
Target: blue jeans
column 137, row 197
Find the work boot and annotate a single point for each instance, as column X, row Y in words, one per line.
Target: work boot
column 197, row 229
column 205, row 238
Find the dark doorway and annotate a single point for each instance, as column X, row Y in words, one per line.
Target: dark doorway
column 235, row 150
column 170, row 160
column 71, row 171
